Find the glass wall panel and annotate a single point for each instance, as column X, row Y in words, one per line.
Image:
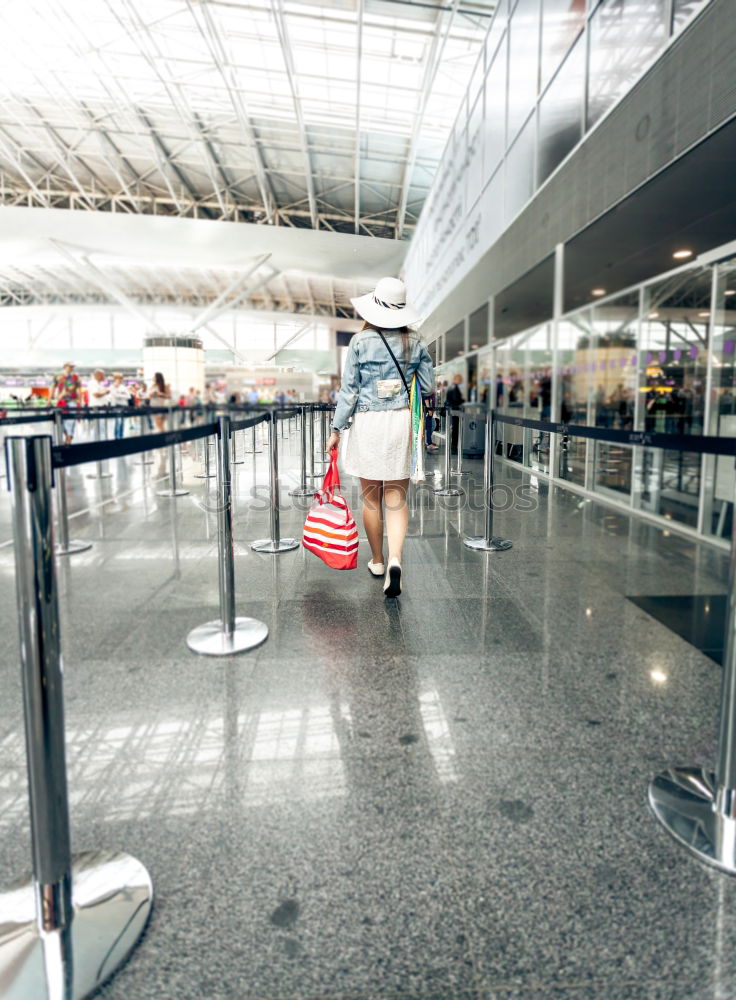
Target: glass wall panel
column 574, row 372
column 672, row 378
column 561, row 112
column 683, row 9
column 455, row 342
column 720, row 478
column 511, row 392
column 538, row 396
column 562, row 22
column 520, row 163
column 624, row 35
column 494, row 140
column 523, row 63
column 478, row 328
column 615, row 368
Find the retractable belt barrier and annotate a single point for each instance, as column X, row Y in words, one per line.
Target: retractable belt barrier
column 77, row 454
column 80, row 916
column 695, row 805
column 702, row 444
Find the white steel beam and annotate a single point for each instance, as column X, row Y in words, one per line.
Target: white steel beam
column 430, row 72
column 221, row 303
column 280, row 20
column 358, row 74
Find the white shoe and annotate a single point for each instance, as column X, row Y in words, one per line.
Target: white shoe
column 375, row 569
column 392, row 583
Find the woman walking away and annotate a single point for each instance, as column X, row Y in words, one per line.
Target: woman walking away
column 159, row 395
column 381, row 361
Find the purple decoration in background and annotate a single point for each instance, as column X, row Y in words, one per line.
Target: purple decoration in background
column 662, row 356
column 693, row 352
column 678, row 354
column 622, row 363
column 728, row 347
column 650, row 357
column 633, row 361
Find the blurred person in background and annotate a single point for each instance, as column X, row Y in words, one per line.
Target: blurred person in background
column 159, row 394
column 119, row 396
column 98, row 393
column 67, row 392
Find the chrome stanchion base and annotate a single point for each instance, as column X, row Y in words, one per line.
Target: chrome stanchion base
column 112, row 896
column 210, row 640
column 204, row 475
column 462, row 473
column 684, row 801
column 72, row 548
column 144, row 461
column 268, row 545
column 102, row 475
column 495, row 545
column 299, row 492
column 448, row 491
column 172, row 493
column 237, row 461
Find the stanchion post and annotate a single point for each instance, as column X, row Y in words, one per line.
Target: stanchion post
column 310, row 441
column 447, row 490
column 323, row 456
column 458, row 471
column 697, row 806
column 275, row 543
column 98, row 474
column 234, row 460
column 78, row 918
column 65, row 546
column 228, row 634
column 144, row 459
column 302, row 489
column 488, row 542
column 173, row 490
column 207, row 474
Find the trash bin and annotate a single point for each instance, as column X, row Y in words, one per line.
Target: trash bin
column 474, row 429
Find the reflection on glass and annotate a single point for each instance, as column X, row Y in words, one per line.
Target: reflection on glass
column 523, row 63
column 478, row 328
column 574, row 394
column 494, row 141
column 455, row 341
column 720, row 473
column 562, row 22
column 560, row 112
column 613, row 404
column 672, row 377
column 683, row 9
column 624, row 36
column 520, row 171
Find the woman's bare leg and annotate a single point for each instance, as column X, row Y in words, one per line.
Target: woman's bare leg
column 397, row 515
column 372, row 490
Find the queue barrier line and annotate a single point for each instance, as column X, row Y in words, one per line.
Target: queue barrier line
column 695, row 804
column 78, row 916
column 703, row 444
column 77, row 454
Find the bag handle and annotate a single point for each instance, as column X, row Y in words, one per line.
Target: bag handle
column 331, row 482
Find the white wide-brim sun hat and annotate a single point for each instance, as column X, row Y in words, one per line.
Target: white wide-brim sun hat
column 386, row 305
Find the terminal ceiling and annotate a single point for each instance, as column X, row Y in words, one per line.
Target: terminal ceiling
column 284, row 113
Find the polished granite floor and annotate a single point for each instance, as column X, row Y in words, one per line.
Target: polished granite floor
column 441, row 797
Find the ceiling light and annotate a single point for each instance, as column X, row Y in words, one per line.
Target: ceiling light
column 598, row 292
column 682, row 254
column 473, row 347
column 653, row 315
column 658, row 676
column 704, row 315
column 730, row 291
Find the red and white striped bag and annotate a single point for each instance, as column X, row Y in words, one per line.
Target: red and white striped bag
column 330, row 531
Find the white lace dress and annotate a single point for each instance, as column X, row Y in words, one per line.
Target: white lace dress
column 378, row 445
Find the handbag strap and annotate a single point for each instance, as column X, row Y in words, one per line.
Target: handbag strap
column 398, row 366
column 331, row 482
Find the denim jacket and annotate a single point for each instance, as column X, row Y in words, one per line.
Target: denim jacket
column 368, row 363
